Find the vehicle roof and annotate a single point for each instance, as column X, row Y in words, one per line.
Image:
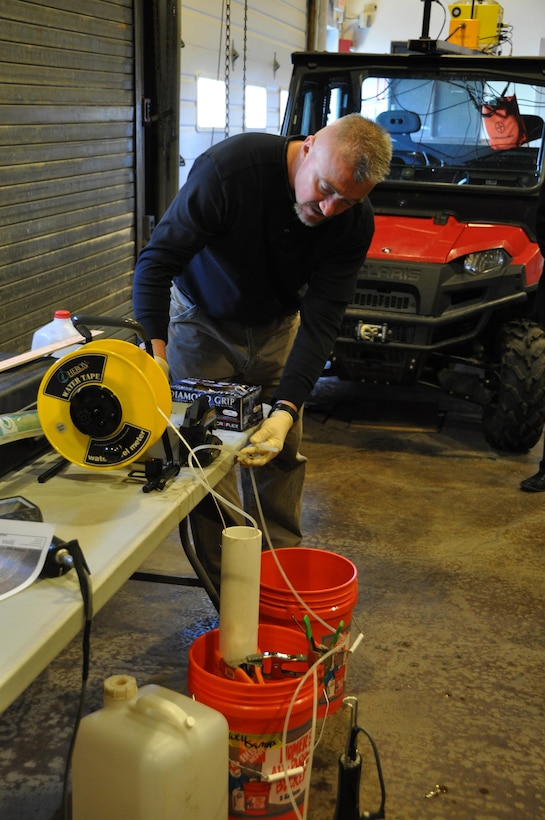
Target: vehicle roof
column 532, row 69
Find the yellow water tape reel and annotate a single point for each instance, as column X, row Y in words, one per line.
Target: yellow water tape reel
column 98, row 406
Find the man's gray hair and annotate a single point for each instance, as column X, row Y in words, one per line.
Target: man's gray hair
column 365, row 146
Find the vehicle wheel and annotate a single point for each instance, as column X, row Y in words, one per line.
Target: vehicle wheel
column 514, row 420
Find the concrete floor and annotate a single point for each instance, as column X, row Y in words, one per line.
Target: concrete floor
column 449, row 675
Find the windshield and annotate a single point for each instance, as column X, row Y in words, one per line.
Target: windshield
column 460, row 131
column 449, row 128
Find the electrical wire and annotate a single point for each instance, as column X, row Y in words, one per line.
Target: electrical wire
column 313, row 670
column 334, row 650
column 73, row 549
column 379, row 814
column 292, row 589
column 200, row 475
column 444, row 18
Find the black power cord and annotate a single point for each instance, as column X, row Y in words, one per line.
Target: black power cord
column 349, row 775
column 379, row 814
column 70, row 556
column 196, row 565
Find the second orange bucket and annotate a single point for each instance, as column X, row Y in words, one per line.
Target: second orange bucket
column 328, row 584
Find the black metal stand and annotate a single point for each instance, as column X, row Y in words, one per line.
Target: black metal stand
column 201, row 580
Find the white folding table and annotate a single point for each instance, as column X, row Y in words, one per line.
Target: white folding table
column 117, row 526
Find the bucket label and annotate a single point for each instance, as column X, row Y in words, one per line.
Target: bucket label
column 252, row 758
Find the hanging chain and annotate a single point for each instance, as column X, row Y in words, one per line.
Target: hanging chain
column 157, row 67
column 227, row 63
column 220, row 53
column 244, row 60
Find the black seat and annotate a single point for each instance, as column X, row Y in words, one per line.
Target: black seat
column 399, row 122
column 533, row 125
column 400, row 125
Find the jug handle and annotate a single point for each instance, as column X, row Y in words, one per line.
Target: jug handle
column 171, row 712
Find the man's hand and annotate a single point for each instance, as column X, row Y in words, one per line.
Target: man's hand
column 267, row 441
column 160, row 355
column 163, row 364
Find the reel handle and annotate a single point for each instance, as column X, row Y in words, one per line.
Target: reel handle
column 81, row 322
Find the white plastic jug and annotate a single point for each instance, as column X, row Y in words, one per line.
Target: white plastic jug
column 150, row 754
column 59, row 329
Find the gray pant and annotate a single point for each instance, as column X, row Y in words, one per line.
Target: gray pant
column 247, row 354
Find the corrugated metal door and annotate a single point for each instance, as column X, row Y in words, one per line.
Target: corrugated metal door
column 67, row 161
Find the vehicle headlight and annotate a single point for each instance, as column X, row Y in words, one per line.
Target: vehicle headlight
column 485, row 261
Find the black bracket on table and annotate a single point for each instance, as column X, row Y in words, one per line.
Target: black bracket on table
column 201, row 580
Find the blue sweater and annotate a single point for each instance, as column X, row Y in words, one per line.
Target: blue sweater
column 232, row 242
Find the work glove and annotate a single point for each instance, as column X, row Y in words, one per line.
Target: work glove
column 163, row 364
column 267, row 441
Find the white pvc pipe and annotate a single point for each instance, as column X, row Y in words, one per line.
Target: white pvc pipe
column 239, row 599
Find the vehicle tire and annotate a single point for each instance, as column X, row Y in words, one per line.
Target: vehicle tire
column 514, row 420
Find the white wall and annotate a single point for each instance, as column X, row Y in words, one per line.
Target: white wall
column 402, row 20
column 274, row 31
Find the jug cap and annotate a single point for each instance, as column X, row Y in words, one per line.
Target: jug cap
column 119, row 688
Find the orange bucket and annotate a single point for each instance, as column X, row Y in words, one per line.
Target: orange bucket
column 328, row 584
column 256, row 714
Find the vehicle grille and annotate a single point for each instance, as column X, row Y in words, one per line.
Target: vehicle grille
column 396, row 301
column 379, row 364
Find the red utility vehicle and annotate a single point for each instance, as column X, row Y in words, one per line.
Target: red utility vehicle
column 448, row 295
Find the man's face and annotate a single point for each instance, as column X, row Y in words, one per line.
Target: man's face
column 324, row 183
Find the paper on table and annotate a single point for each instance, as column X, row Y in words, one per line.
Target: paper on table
column 23, row 550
